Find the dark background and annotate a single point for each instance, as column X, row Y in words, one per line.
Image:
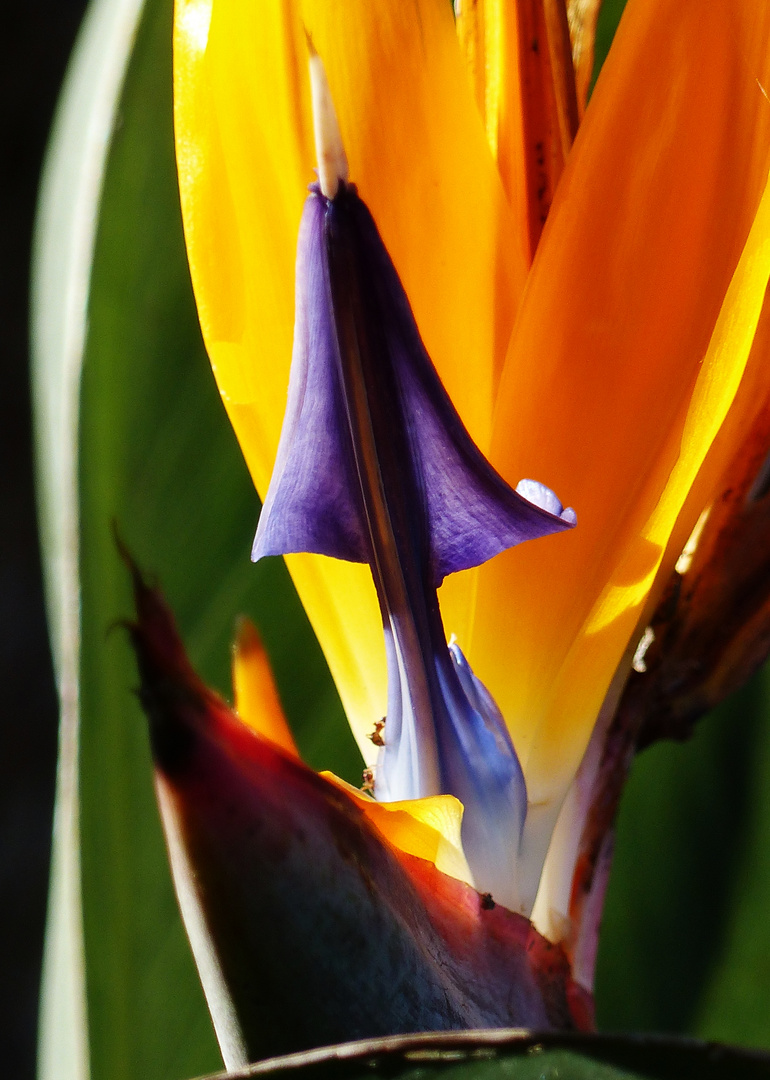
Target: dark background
column 37, row 38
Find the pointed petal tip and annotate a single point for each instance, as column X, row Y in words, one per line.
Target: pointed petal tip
column 247, row 638
column 330, row 152
column 257, row 701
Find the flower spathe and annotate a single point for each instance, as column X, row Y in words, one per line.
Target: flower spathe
column 308, row 926
column 629, row 341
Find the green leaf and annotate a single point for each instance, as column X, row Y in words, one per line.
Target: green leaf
column 607, row 23
column 516, row 1055
column 155, row 456
column 64, row 234
column 685, row 943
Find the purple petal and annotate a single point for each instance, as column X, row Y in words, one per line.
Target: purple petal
column 480, row 766
column 466, row 511
column 314, row 499
column 476, row 762
column 472, row 512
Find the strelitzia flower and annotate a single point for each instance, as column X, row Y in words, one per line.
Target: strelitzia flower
column 616, row 358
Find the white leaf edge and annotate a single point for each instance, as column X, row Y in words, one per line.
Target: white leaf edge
column 65, row 231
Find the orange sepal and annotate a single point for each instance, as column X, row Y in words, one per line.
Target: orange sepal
column 256, row 699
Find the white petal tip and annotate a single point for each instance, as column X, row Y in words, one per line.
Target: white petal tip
column 540, row 495
column 332, row 161
column 569, row 515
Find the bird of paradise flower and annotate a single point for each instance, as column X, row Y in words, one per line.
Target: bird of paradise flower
column 616, row 357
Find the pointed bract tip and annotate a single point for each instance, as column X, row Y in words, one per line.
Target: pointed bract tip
column 330, row 153
column 247, row 641
column 173, row 697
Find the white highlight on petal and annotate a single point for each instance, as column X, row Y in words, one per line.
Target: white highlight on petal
column 535, row 492
column 332, row 161
column 194, row 22
column 684, row 562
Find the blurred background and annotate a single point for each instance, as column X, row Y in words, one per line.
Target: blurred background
column 37, row 38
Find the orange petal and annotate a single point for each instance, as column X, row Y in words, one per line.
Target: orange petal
column 245, row 157
column 606, row 395
column 256, row 696
column 715, row 476
column 427, row 828
column 519, row 59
